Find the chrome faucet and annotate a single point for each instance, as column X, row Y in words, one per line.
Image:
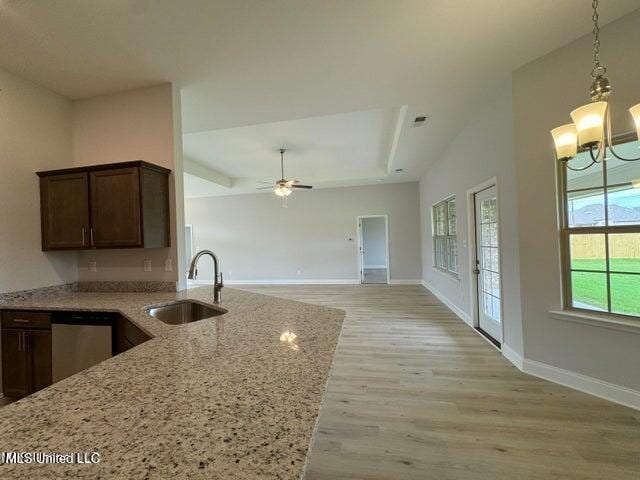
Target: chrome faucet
column 193, row 272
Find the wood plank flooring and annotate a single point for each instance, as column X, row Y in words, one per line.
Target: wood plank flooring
column 416, row 394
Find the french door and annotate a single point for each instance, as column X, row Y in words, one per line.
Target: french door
column 487, row 269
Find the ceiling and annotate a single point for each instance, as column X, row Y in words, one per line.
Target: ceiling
column 336, row 81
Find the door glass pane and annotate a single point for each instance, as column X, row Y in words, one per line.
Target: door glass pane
column 495, row 284
column 590, row 178
column 625, row 296
column 585, row 209
column 589, row 290
column 624, row 205
column 588, row 252
column 487, row 304
column 496, row 308
column 624, row 252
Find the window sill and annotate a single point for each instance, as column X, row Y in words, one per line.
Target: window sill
column 597, row 320
column 447, row 273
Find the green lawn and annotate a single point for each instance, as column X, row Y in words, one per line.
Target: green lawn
column 591, row 288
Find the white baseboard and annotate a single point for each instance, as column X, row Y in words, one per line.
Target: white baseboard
column 404, row 282
column 452, row 306
column 278, row 282
column 593, row 386
column 513, row 356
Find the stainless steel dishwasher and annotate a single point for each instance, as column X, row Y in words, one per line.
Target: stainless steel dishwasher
column 79, row 341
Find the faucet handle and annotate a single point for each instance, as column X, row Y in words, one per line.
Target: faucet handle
column 221, row 284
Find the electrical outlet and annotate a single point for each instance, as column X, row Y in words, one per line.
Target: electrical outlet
column 146, row 265
column 168, row 265
column 299, row 272
column 93, row 266
column 229, row 273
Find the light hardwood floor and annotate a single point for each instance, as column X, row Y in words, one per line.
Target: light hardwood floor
column 416, row 394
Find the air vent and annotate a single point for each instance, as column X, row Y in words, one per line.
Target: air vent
column 420, row 120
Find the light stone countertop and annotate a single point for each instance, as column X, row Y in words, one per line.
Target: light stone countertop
column 222, row 398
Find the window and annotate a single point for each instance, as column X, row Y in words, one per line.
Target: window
column 445, row 241
column 601, row 233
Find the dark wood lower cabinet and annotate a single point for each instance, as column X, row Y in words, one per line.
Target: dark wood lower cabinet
column 39, row 348
column 26, row 361
column 26, row 348
column 126, row 335
column 15, row 364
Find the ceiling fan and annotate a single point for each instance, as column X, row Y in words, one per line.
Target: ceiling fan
column 283, row 187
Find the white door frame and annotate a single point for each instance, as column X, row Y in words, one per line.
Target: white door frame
column 359, row 251
column 471, row 228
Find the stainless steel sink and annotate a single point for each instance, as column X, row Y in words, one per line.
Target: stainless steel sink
column 185, row 312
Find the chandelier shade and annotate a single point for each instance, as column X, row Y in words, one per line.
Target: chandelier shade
column 635, row 113
column 591, row 129
column 565, row 139
column 589, row 120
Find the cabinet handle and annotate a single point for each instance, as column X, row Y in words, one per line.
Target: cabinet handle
column 91, row 235
column 21, row 320
column 83, row 241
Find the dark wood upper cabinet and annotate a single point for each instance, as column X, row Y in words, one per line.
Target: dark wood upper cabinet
column 115, row 208
column 121, row 205
column 64, row 201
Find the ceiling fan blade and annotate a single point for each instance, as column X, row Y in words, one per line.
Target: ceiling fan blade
column 301, row 186
column 265, row 188
column 261, row 181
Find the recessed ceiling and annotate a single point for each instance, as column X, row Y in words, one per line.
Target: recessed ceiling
column 247, row 63
column 324, row 151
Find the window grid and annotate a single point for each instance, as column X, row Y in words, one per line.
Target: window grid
column 445, row 240
column 604, row 275
column 489, row 259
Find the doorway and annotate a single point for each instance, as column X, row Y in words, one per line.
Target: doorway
column 373, row 249
column 487, row 264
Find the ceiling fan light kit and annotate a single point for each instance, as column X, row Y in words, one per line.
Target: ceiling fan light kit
column 591, row 128
column 283, row 187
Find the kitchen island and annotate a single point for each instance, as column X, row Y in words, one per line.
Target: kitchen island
column 221, row 398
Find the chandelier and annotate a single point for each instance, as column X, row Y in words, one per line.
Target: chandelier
column 591, row 127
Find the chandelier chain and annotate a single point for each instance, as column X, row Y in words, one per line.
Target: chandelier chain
column 598, row 70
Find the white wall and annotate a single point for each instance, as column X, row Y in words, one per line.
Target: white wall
column 133, row 125
column 35, row 134
column 482, row 150
column 374, row 239
column 257, row 239
column 544, row 92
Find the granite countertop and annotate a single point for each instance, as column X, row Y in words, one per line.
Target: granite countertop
column 222, row 398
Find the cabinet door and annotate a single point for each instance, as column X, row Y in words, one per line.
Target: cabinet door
column 39, row 347
column 15, row 363
column 64, row 211
column 115, row 208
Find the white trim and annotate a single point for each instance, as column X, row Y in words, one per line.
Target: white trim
column 360, row 242
column 513, row 356
column 405, row 282
column 593, row 386
column 595, row 320
column 452, row 306
column 192, row 283
column 374, row 266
